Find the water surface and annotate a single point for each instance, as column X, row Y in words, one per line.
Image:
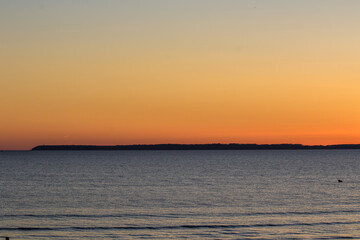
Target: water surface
column 280, row 194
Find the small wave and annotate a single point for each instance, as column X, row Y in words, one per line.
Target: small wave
column 80, row 215
column 216, row 226
column 303, row 213
column 170, row 215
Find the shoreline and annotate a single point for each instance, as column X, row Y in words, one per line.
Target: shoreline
column 215, row 146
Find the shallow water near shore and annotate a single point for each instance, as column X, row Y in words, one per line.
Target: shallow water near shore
column 279, row 194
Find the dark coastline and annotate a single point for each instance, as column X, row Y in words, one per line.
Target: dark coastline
column 215, row 146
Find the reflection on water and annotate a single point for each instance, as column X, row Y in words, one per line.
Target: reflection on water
column 180, row 194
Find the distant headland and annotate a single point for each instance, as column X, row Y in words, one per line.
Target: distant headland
column 213, row 146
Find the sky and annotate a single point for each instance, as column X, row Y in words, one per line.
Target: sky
column 147, row 72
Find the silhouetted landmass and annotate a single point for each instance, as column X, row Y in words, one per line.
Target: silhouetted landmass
column 214, row 146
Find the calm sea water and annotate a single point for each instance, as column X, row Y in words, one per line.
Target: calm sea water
column 180, row 194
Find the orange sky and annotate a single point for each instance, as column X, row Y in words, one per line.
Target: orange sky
column 129, row 72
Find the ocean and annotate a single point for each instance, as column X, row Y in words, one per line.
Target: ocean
column 274, row 194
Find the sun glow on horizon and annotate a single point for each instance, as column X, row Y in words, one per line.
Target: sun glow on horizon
column 148, row 72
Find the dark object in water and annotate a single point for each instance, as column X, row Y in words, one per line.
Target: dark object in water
column 339, row 180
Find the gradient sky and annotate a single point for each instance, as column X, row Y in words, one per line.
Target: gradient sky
column 204, row 71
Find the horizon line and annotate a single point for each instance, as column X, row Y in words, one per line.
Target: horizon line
column 182, row 144
column 209, row 146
